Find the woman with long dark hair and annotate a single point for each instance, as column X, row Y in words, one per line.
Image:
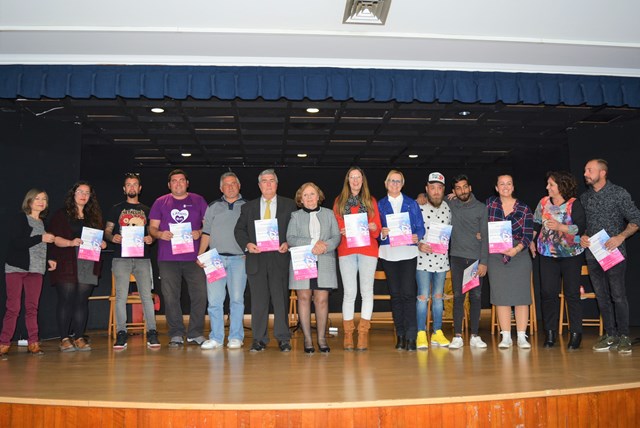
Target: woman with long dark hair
column 74, row 278
column 24, row 267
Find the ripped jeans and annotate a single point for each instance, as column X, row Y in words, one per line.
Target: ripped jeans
column 430, row 284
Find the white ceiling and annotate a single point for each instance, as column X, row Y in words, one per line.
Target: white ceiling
column 560, row 36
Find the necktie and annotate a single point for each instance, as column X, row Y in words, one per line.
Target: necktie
column 267, row 211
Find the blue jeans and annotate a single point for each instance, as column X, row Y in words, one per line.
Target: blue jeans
column 122, row 268
column 350, row 266
column 611, row 295
column 235, row 282
column 430, row 284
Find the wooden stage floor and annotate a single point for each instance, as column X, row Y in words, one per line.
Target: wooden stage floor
column 238, row 380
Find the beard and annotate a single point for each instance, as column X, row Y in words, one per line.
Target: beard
column 434, row 203
column 131, row 194
column 465, row 197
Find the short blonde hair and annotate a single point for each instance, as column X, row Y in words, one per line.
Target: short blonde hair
column 394, row 171
column 298, row 198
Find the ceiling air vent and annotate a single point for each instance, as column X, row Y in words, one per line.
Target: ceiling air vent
column 366, row 12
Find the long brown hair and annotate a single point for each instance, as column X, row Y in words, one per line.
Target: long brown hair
column 365, row 195
column 92, row 212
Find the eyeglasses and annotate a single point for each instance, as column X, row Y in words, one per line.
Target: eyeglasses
column 82, row 193
column 394, row 181
column 355, row 177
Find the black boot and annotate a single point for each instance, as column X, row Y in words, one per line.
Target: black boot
column 401, row 343
column 550, row 338
column 411, row 345
column 574, row 340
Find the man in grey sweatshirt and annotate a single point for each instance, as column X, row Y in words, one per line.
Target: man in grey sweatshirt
column 468, row 244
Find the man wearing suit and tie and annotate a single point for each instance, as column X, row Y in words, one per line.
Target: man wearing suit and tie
column 267, row 271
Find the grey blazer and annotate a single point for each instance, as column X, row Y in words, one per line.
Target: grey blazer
column 298, row 234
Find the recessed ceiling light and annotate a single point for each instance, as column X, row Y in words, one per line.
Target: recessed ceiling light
column 157, row 110
column 302, row 155
column 186, row 155
column 464, row 113
column 313, row 110
column 413, row 156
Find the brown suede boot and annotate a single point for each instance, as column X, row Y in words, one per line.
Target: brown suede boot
column 363, row 335
column 34, row 349
column 349, row 327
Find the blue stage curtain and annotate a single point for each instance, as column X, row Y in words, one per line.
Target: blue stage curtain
column 272, row 83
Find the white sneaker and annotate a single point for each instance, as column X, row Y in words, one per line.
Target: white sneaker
column 210, row 344
column 477, row 342
column 456, row 343
column 234, row 344
column 522, row 341
column 506, row 340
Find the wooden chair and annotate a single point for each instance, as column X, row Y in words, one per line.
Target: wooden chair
column 447, row 313
column 132, row 299
column 586, row 322
column 533, row 318
column 381, row 276
column 293, row 309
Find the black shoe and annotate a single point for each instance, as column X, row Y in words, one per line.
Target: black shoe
column 575, row 339
column 152, row 339
column 121, row 340
column 285, row 345
column 550, row 338
column 401, row 343
column 257, row 346
column 411, row 345
column 309, row 350
column 324, row 349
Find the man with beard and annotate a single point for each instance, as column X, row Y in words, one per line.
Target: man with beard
column 611, row 208
column 432, row 267
column 468, row 244
column 126, row 214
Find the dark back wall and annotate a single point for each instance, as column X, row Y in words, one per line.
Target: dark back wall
column 39, row 152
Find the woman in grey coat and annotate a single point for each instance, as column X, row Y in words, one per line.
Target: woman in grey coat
column 315, row 226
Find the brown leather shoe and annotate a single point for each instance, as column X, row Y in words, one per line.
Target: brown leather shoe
column 34, row 349
column 82, row 345
column 66, row 345
column 4, row 350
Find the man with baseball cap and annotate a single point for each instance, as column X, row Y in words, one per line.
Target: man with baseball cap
column 432, row 266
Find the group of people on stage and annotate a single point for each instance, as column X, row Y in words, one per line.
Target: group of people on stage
column 254, row 239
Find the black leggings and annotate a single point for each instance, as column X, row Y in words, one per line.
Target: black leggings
column 73, row 308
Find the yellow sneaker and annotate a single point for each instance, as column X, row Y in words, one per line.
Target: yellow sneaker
column 421, row 341
column 438, row 339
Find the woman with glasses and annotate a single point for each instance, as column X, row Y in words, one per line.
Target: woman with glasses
column 357, row 260
column 399, row 254
column 74, row 278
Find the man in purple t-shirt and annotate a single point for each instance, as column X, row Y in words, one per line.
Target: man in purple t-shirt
column 179, row 208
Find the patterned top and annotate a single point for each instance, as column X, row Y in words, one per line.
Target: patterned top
column 429, row 261
column 521, row 221
column 552, row 243
column 611, row 208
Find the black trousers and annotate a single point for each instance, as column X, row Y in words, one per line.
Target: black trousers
column 401, row 279
column 269, row 284
column 556, row 273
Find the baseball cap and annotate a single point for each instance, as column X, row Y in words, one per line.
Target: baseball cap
column 436, row 177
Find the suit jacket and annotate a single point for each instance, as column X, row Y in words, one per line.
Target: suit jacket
column 298, row 234
column 245, row 232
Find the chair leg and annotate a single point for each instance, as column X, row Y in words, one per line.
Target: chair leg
column 561, row 319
